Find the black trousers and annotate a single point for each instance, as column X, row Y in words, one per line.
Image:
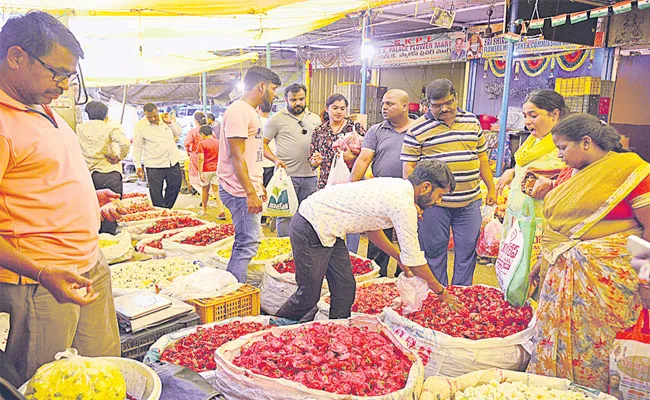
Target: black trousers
column 112, row 181
column 382, row 259
column 313, row 263
column 170, row 178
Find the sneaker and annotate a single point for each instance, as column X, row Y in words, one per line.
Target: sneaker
column 201, row 212
column 222, row 216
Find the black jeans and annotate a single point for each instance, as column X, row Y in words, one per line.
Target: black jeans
column 382, row 259
column 313, row 263
column 171, row 177
column 112, row 181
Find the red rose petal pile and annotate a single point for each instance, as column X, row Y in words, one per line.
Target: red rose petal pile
column 196, row 350
column 173, row 223
column 157, row 244
column 133, row 195
column 485, row 315
column 138, row 208
column 149, row 215
column 359, row 266
column 372, row 299
column 330, row 357
column 208, row 236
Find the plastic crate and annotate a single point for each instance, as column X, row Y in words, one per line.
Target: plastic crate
column 136, row 345
column 242, row 303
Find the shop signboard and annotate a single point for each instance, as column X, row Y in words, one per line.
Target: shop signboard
column 418, row 50
column 496, row 47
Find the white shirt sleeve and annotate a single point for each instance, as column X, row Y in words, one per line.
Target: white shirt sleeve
column 405, row 222
column 138, row 144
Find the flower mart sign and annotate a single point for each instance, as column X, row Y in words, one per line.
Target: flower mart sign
column 420, row 50
column 496, row 47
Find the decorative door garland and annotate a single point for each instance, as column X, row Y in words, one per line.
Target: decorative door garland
column 569, row 62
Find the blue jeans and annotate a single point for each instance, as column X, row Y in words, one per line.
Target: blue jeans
column 247, row 234
column 352, row 242
column 305, row 187
column 433, row 232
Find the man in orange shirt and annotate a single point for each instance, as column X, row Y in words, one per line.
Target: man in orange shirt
column 54, row 282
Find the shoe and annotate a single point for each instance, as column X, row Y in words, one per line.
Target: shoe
column 222, row 216
column 201, row 212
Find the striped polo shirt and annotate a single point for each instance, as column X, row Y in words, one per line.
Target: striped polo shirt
column 457, row 145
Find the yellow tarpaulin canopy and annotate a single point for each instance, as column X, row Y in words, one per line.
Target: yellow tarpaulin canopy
column 124, row 46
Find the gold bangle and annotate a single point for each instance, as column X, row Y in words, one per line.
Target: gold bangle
column 38, row 277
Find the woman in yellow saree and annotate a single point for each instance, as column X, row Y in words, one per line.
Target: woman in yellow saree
column 589, row 290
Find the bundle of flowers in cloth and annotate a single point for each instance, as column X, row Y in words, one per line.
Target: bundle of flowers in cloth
column 194, row 347
column 486, row 333
column 148, row 216
column 152, row 246
column 198, row 243
column 134, row 276
column 279, row 280
column 166, row 225
column 116, row 248
column 270, row 250
column 503, row 384
column 353, row 358
column 371, row 298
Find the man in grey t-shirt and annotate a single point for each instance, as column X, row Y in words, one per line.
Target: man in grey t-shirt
column 382, row 146
column 292, row 128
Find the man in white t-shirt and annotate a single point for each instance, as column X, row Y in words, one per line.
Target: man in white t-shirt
column 239, row 167
column 325, row 217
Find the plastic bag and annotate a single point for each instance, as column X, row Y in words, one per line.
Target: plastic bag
column 413, row 291
column 513, row 263
column 629, row 361
column 282, row 200
column 73, row 377
column 490, row 237
column 324, row 306
column 116, row 248
column 205, row 283
column 339, row 172
column 237, row 383
column 182, row 383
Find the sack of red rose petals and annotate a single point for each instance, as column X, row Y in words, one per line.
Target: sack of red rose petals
column 371, row 298
column 355, row 355
column 167, row 225
column 197, row 357
column 200, row 243
column 446, row 355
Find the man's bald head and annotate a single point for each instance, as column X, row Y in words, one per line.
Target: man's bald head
column 395, row 106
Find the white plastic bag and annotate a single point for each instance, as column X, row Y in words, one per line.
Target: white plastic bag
column 412, row 291
column 282, row 200
column 237, row 383
column 205, row 283
column 339, row 173
column 451, row 356
column 120, row 251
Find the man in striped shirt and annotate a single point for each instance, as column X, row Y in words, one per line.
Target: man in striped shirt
column 454, row 136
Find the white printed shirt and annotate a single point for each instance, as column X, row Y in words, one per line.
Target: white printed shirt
column 364, row 206
column 98, row 139
column 157, row 142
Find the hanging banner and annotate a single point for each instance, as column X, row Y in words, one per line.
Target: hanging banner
column 496, row 47
column 623, row 7
column 630, row 28
column 419, row 50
